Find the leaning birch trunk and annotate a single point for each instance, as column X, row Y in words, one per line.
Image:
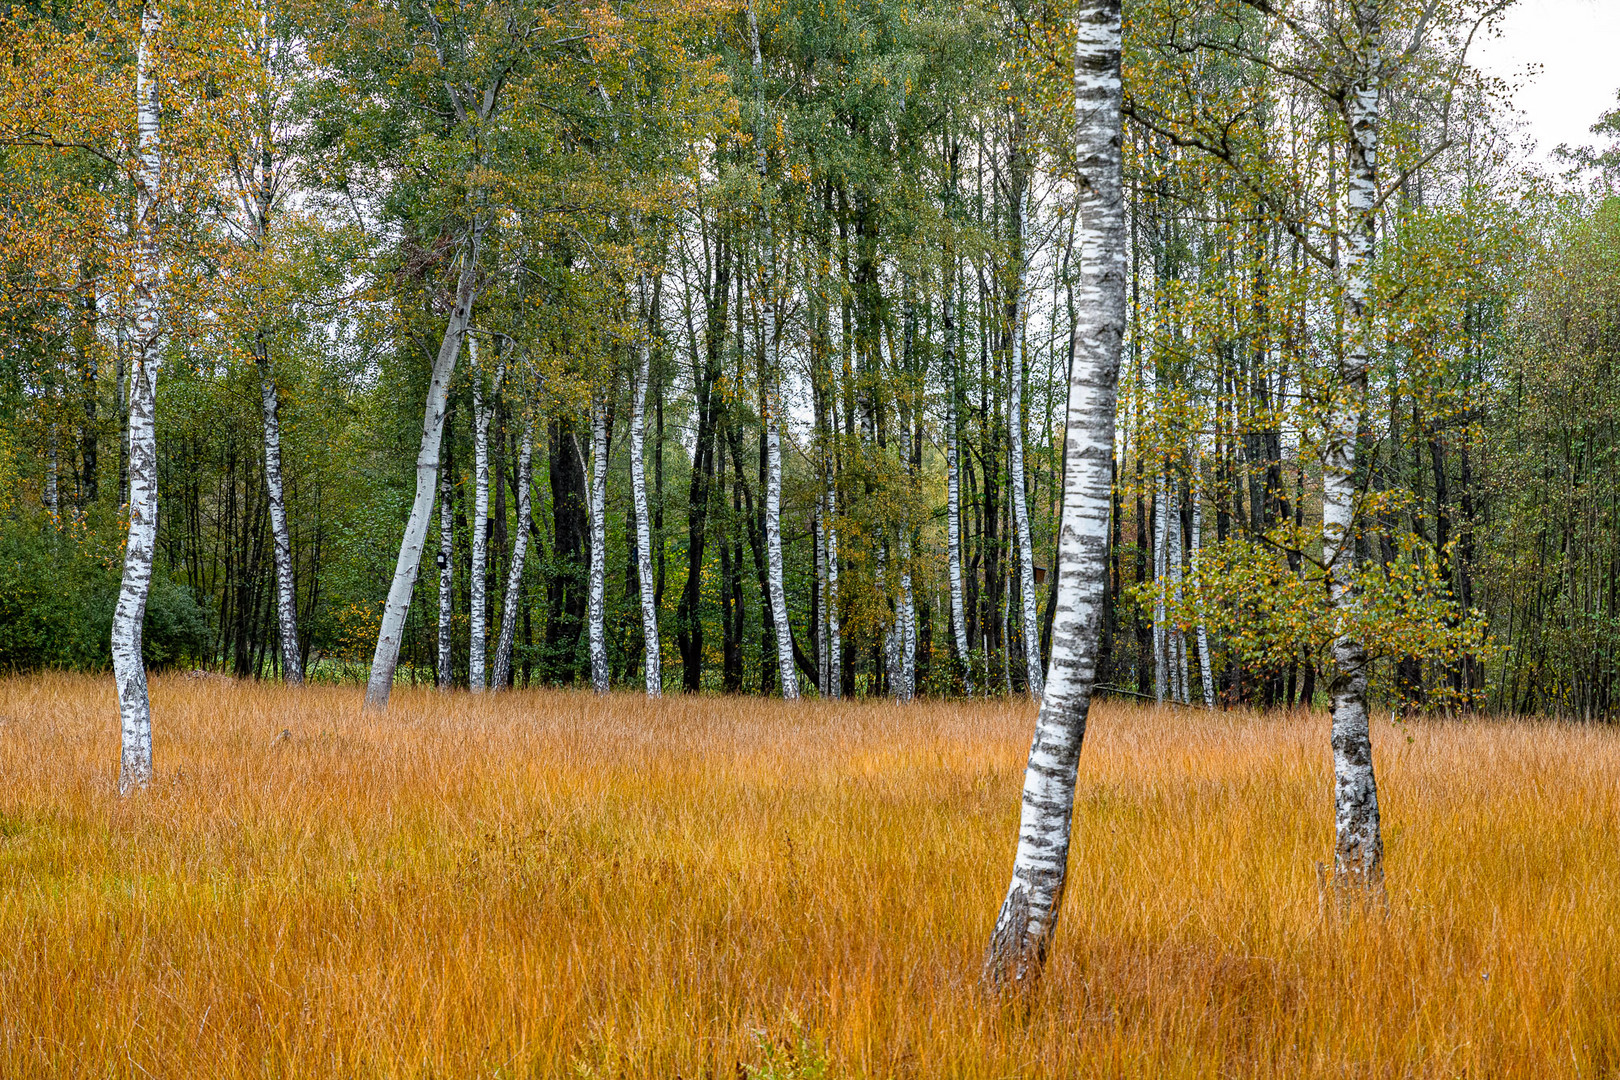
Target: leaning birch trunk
column 514, row 573
column 447, row 558
column 638, row 493
column 1161, row 660
column 953, row 506
column 1024, row 927
column 292, row 666
column 598, row 613
column 129, row 667
column 478, row 574
column 835, row 641
column 1358, row 853
column 1207, row 676
column 1015, row 432
column 391, row 632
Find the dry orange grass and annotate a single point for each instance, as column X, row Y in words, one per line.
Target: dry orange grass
column 548, row 884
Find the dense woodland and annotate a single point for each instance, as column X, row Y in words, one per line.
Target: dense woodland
column 748, row 331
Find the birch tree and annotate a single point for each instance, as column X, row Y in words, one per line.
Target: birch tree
column 478, row 574
column 638, row 495
column 520, row 550
column 598, row 585
column 1028, row 916
column 447, row 561
column 391, row 631
column 129, row 667
column 770, row 391
column 1015, row 434
column 1358, row 852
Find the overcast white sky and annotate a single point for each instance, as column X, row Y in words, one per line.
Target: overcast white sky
column 1562, row 53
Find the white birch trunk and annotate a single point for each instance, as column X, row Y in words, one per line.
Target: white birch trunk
column 514, row 573
column 129, row 667
column 391, row 632
column 1161, row 665
column 1207, row 676
column 773, row 546
column 1029, row 913
column 1015, row 431
column 292, row 661
column 52, row 468
column 1178, row 640
column 1358, row 845
column 953, row 506
column 770, row 395
column 447, row 561
column 819, row 532
column 598, row 605
column 835, row 640
column 478, row 580
column 907, row 686
column 638, row 492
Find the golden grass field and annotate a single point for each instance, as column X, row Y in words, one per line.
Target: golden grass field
column 551, row 884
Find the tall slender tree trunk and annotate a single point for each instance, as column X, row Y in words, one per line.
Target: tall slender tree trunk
column 292, row 668
column 478, row 576
column 1015, row 435
column 1206, row 676
column 1161, row 643
column 638, row 494
column 447, row 562
column 835, row 640
column 1178, row 640
column 1028, row 915
column 520, row 551
column 953, row 499
column 598, row 608
column 129, row 667
column 391, row 632
column 53, row 469
column 1358, row 845
column 770, row 393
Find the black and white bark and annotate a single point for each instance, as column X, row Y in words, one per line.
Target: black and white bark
column 478, row 572
column 770, row 391
column 391, row 632
column 129, row 668
column 638, row 495
column 1028, row 916
column 1161, row 643
column 1015, row 435
column 1201, row 630
column 835, row 640
column 597, row 616
column 292, row 667
column 447, row 570
column 502, row 673
column 953, row 502
column 1358, row 854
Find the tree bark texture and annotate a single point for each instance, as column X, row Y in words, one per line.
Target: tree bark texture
column 514, row 573
column 598, row 606
column 638, row 489
column 1028, row 916
column 1358, row 853
column 129, row 667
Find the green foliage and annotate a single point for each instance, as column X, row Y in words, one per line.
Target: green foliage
column 58, row 589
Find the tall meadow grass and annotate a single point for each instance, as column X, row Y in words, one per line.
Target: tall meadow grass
column 553, row 884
